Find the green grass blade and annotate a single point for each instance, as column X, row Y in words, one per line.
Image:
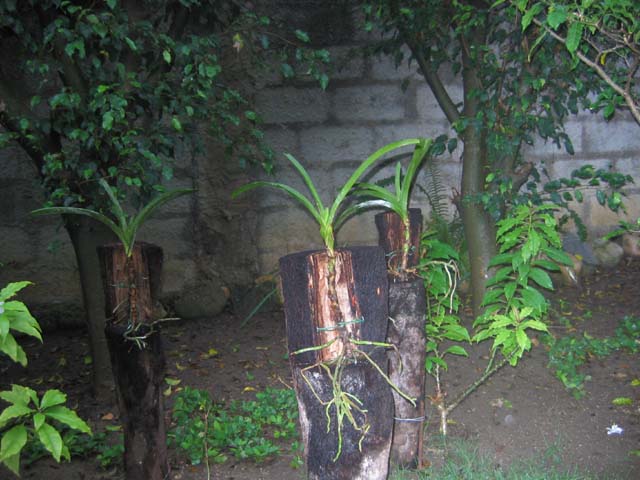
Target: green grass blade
column 364, row 166
column 87, row 213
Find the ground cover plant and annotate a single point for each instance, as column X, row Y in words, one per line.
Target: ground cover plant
column 30, row 417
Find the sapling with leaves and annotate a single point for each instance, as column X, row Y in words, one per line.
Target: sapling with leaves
column 530, row 248
column 29, row 416
column 343, row 346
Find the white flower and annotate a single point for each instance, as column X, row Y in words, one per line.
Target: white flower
column 1, row 308
column 614, row 430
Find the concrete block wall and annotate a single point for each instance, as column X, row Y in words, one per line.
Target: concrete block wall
column 366, row 107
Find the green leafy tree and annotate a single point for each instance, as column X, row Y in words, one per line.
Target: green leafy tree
column 603, row 36
column 510, row 98
column 112, row 89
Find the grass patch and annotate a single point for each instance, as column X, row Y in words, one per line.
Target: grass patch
column 464, row 461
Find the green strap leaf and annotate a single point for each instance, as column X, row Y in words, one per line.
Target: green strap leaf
column 82, row 211
column 149, row 208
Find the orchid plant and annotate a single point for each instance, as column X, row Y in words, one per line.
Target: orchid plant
column 125, row 227
column 330, row 217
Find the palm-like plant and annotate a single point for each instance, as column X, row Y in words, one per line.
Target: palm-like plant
column 330, row 218
column 125, row 227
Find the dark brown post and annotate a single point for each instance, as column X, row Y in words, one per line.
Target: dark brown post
column 407, row 309
column 131, row 286
column 407, row 306
column 392, row 238
column 358, row 308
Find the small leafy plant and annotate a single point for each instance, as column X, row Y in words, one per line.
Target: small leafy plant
column 126, row 228
column 29, row 416
column 567, row 354
column 204, row 431
column 530, row 247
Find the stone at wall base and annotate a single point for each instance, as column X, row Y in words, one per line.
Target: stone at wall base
column 205, row 299
column 608, row 253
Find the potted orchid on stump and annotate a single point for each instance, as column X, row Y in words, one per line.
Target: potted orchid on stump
column 399, row 230
column 336, row 312
column 131, row 274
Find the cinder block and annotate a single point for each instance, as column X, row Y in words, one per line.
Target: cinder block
column 290, row 105
column 348, row 61
column 323, row 145
column 427, row 106
column 384, row 67
column 564, row 168
column 619, row 135
column 173, row 235
column 373, row 102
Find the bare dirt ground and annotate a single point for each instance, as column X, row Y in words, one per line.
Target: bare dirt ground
column 517, row 413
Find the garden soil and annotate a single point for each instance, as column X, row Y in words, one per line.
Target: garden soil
column 518, row 413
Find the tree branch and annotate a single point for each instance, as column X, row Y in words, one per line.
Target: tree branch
column 626, row 95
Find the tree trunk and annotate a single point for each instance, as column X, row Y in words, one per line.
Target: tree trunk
column 479, row 227
column 86, row 236
column 356, row 309
column 392, row 238
column 131, row 286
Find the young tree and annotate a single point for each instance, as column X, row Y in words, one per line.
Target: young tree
column 510, row 97
column 110, row 89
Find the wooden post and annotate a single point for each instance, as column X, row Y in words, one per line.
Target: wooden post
column 407, row 309
column 407, row 306
column 131, row 286
column 357, row 308
column 392, row 237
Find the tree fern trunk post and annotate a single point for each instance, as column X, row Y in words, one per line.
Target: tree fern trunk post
column 407, row 309
column 86, row 235
column 358, row 309
column 131, row 286
column 392, row 239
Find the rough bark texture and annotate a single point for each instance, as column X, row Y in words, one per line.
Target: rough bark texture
column 334, row 305
column 392, row 237
column 370, row 298
column 139, row 375
column 371, row 462
column 131, row 286
column 407, row 307
column 86, row 235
